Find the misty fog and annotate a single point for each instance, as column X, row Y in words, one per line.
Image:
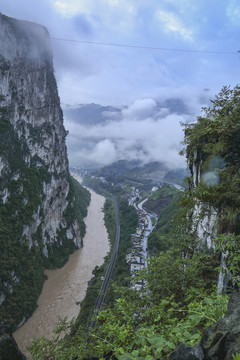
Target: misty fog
column 143, row 130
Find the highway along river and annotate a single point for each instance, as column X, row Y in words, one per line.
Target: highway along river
column 68, row 285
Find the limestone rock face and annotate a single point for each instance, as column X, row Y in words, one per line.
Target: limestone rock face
column 205, row 222
column 36, row 198
column 204, row 217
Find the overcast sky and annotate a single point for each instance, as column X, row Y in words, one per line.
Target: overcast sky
column 108, row 75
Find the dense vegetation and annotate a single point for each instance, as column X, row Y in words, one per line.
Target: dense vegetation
column 160, row 239
column 82, row 200
column 20, row 266
column 160, row 199
column 179, row 299
column 162, row 202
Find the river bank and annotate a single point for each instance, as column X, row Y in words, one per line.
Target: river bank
column 67, row 286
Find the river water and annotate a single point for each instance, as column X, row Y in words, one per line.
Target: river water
column 66, row 286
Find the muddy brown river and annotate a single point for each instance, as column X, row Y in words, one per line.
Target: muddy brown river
column 66, row 286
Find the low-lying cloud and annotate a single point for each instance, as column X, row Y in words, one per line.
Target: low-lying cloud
column 143, row 130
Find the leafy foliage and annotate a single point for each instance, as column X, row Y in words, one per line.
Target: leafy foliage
column 229, row 245
column 82, row 199
column 137, row 328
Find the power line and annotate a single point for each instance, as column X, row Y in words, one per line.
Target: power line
column 143, row 47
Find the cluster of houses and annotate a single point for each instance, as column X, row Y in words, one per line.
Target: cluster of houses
column 137, row 256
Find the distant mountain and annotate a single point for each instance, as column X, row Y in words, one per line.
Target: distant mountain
column 154, row 171
column 176, row 106
column 142, row 131
column 90, row 114
column 121, row 167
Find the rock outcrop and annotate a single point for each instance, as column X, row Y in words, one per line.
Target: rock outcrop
column 205, row 219
column 38, row 222
column 220, row 341
column 204, row 216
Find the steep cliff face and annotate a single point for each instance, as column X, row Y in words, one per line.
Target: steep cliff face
column 213, row 153
column 38, row 221
column 206, row 222
column 205, row 218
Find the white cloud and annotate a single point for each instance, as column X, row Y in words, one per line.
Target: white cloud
column 115, row 14
column 140, row 109
column 233, row 12
column 72, row 7
column 103, row 153
column 170, row 23
column 149, row 138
